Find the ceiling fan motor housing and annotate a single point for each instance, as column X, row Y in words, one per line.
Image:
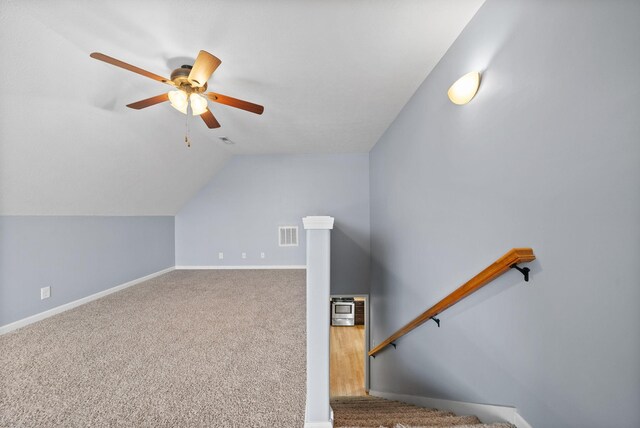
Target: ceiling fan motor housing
column 180, row 76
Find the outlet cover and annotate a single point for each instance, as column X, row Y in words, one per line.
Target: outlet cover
column 45, row 293
column 262, row 255
column 244, row 255
column 220, row 256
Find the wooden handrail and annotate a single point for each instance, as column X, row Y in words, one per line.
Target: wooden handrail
column 491, row 272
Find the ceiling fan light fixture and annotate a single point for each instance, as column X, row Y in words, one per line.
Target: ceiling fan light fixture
column 179, row 100
column 198, row 104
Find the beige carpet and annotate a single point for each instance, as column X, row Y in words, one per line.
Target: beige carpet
column 187, row 349
column 375, row 412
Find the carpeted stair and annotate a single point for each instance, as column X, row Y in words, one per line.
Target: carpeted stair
column 375, row 412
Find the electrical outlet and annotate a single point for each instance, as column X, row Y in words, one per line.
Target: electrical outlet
column 244, row 255
column 45, row 293
column 262, row 255
column 220, row 256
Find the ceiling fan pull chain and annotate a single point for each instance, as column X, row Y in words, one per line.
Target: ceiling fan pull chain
column 186, row 129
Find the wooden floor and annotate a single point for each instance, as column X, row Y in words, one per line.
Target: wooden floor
column 347, row 361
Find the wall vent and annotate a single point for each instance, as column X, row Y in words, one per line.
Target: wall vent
column 288, row 236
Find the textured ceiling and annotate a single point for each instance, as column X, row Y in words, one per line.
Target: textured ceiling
column 332, row 76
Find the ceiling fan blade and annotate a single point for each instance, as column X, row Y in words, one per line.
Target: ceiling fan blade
column 210, row 120
column 149, row 102
column 234, row 102
column 203, row 68
column 121, row 64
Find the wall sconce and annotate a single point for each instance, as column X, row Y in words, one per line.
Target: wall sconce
column 465, row 88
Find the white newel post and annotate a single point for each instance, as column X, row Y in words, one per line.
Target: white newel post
column 318, row 411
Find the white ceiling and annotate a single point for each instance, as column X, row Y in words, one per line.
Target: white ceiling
column 332, row 76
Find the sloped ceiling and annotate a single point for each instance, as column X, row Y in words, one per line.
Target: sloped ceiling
column 332, row 76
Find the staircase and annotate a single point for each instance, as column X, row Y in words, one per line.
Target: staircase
column 375, row 412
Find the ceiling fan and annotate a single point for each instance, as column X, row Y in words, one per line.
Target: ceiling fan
column 190, row 83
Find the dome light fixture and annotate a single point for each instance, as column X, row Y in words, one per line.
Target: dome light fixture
column 465, row 88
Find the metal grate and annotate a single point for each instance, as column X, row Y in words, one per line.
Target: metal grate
column 288, row 236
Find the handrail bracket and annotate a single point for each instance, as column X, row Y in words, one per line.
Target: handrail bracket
column 524, row 271
column 437, row 320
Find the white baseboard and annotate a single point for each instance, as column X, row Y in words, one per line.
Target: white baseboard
column 318, row 424
column 520, row 422
column 244, row 267
column 327, row 424
column 487, row 413
column 58, row 309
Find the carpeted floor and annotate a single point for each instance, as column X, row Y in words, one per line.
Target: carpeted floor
column 210, row 348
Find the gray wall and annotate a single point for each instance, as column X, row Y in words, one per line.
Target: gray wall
column 241, row 208
column 76, row 256
column 547, row 155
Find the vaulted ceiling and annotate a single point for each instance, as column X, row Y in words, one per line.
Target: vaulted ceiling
column 332, row 76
